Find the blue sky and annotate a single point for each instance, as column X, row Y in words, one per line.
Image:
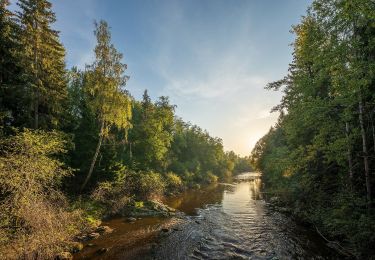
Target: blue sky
column 211, row 57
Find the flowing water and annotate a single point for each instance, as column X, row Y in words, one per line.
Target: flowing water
column 223, row 221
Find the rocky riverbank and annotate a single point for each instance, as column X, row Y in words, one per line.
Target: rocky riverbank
column 93, row 244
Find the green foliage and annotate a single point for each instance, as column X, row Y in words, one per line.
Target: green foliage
column 173, row 182
column 116, row 194
column 194, row 152
column 105, row 82
column 92, row 211
column 13, row 96
column 211, row 178
column 150, row 185
column 237, row 164
column 32, row 208
column 31, row 153
column 138, row 204
column 152, row 133
column 316, row 158
column 107, row 98
column 43, row 58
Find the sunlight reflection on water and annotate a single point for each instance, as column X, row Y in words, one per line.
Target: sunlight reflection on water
column 225, row 221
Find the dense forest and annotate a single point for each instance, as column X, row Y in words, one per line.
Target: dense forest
column 319, row 157
column 75, row 144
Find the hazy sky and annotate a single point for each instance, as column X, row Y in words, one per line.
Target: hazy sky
column 212, row 58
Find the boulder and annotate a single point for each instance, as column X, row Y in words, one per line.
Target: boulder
column 104, row 230
column 131, row 219
column 158, row 206
column 149, row 208
column 93, row 235
column 82, row 238
column 76, row 247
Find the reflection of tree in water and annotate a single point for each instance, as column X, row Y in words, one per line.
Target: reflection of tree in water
column 255, row 189
column 229, row 188
column 189, row 201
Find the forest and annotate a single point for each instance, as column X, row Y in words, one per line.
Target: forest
column 75, row 145
column 319, row 157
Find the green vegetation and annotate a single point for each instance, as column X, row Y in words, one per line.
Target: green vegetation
column 75, row 145
column 319, row 158
column 34, row 216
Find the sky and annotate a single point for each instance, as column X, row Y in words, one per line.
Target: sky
column 213, row 58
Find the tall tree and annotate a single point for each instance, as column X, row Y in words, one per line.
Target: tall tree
column 43, row 58
column 13, row 102
column 105, row 86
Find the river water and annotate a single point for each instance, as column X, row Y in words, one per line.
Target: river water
column 222, row 221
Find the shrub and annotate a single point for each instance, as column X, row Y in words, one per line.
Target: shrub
column 211, row 178
column 33, row 212
column 92, row 211
column 114, row 194
column 146, row 185
column 173, row 182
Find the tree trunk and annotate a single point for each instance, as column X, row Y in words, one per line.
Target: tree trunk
column 36, row 81
column 95, row 157
column 350, row 159
column 373, row 132
column 364, row 149
column 36, row 109
column 130, row 150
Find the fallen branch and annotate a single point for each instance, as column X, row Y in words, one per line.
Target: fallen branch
column 338, row 247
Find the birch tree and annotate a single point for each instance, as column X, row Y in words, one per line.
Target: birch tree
column 105, row 86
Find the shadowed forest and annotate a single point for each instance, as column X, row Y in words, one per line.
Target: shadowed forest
column 76, row 147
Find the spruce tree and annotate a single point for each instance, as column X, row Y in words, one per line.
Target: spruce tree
column 44, row 60
column 13, row 100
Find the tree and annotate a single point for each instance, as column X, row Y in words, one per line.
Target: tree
column 105, row 86
column 13, row 101
column 152, row 133
column 43, row 59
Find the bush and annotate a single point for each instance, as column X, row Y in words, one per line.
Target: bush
column 34, row 215
column 92, row 211
column 112, row 195
column 173, row 182
column 211, row 178
column 146, row 185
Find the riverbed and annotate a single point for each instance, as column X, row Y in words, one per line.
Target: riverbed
column 220, row 221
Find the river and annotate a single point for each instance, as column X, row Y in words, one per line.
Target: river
column 221, row 221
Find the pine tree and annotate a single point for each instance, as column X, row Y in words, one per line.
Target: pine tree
column 44, row 60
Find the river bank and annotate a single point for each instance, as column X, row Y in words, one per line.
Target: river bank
column 222, row 221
